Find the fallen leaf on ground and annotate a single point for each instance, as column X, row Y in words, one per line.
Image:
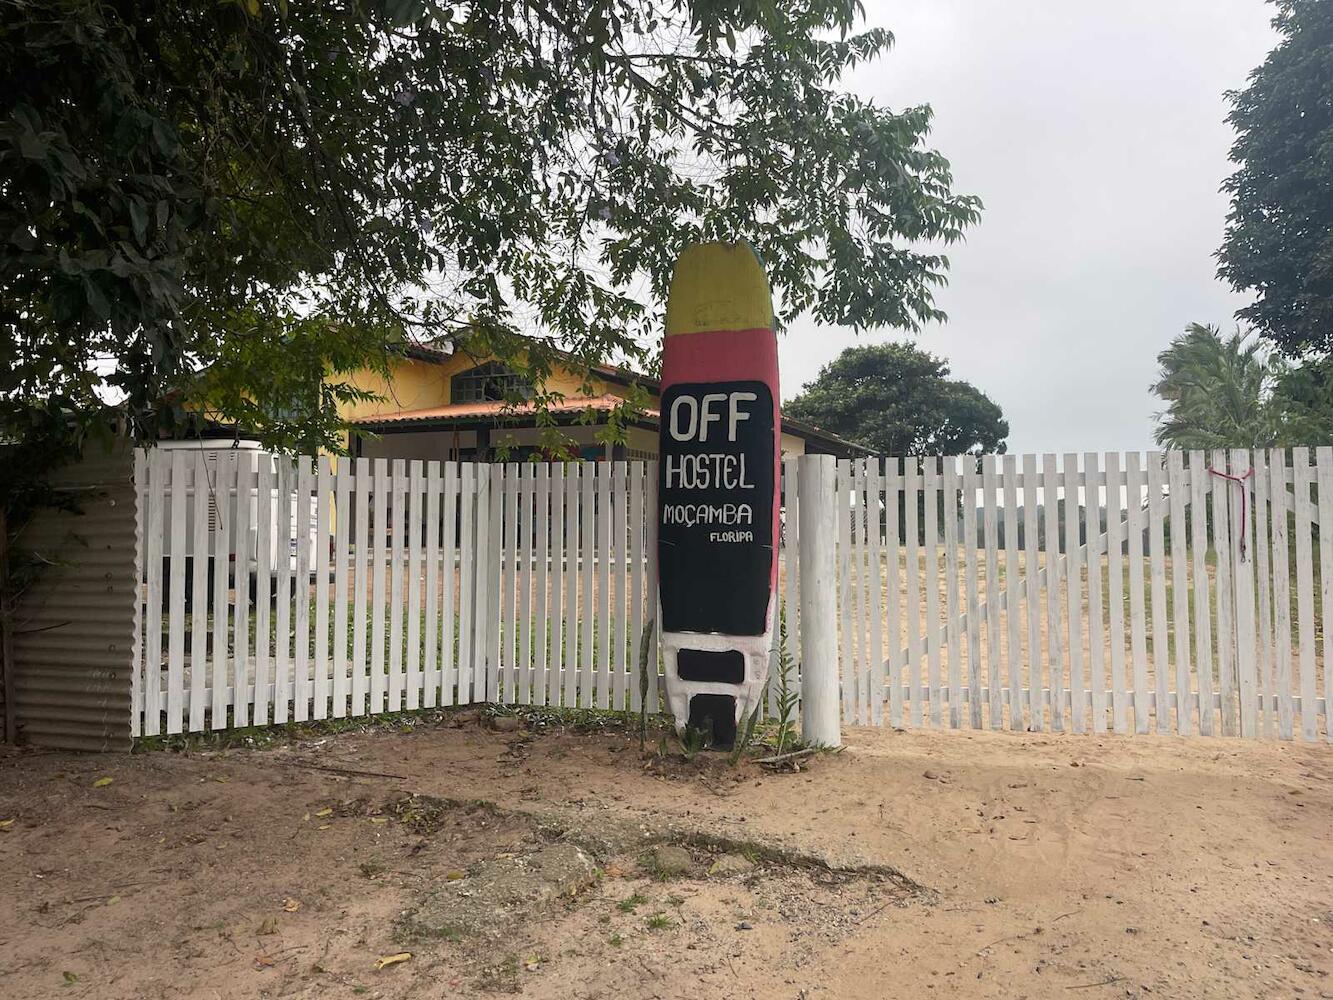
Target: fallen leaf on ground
column 379, row 819
column 102, row 782
column 326, row 811
column 453, row 876
column 5, row 824
column 268, row 926
column 291, row 905
column 388, row 960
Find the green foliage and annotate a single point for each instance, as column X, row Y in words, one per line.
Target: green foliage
column 898, row 400
column 785, row 717
column 268, row 192
column 1279, row 238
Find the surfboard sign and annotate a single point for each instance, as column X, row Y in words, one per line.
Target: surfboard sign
column 718, row 489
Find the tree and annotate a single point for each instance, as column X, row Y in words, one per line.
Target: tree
column 228, row 204
column 1220, row 392
column 898, row 400
column 1279, row 237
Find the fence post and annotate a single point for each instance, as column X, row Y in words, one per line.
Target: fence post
column 820, row 722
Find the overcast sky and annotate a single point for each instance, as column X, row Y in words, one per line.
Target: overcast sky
column 1094, row 134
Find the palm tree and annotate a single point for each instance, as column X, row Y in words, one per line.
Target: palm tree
column 1219, row 392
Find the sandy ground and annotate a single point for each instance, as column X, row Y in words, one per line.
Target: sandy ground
column 911, row 865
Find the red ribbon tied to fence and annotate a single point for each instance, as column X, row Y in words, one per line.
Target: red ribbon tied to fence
column 1239, row 481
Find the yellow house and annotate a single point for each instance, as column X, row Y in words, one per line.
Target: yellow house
column 440, row 404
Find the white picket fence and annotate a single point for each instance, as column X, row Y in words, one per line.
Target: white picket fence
column 329, row 589
column 1113, row 592
column 335, row 588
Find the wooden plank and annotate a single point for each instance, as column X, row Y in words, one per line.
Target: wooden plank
column 912, row 605
column 431, row 659
column 621, row 630
column 541, row 574
column 650, row 571
column 1264, row 585
column 1324, row 479
column 1032, row 606
column 1115, row 594
column 893, row 485
column 1137, row 623
column 853, row 681
column 844, row 542
column 342, row 515
column 1055, row 637
column 141, row 488
column 224, row 486
column 323, row 501
column 1243, row 572
column 361, row 587
column 588, row 606
column 159, row 471
column 416, row 529
column 397, row 555
column 282, row 557
column 557, row 585
column 1180, row 593
column 526, row 517
column 240, row 661
column 875, row 493
column 509, row 573
column 934, row 631
column 990, row 540
column 301, row 596
column 1157, row 574
column 1093, row 506
column 450, row 631
column 1226, row 636
column 263, row 587
column 1203, row 638
column 1012, row 578
column 1302, row 480
column 951, row 609
column 176, row 595
column 200, row 496
column 492, row 604
column 1074, row 548
column 570, row 612
column 636, row 617
column 379, row 583
column 467, row 580
column 603, row 560
column 969, row 503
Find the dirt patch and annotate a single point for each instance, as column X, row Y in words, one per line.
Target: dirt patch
column 959, row 864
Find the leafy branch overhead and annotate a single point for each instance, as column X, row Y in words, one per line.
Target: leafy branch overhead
column 235, row 184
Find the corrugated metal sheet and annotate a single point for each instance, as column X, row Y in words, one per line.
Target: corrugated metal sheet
column 74, row 635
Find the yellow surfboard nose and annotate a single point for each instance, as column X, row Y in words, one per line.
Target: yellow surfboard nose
column 718, row 286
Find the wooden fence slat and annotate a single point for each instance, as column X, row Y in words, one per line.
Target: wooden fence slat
column 912, row 604
column 635, row 632
column 240, row 662
column 1242, row 534
column 158, row 472
column 490, row 625
column 844, row 542
column 893, row 485
column 200, row 496
column 323, row 500
column 1096, row 635
column 1138, row 628
column 861, row 594
column 588, row 606
column 875, row 662
column 557, row 584
column 397, row 533
column 1157, row 570
column 616, row 554
column 379, row 584
column 1012, row 613
column 953, row 636
column 602, row 558
column 1226, row 636
column 301, row 588
column 1032, row 606
column 141, row 488
column 1302, row 481
column 260, row 714
column 1180, row 594
column 467, row 574
column 934, row 636
column 416, row 528
column 573, row 484
column 224, row 490
column 1055, row 653
column 431, row 659
column 1264, row 586
column 450, row 631
column 541, row 570
column 509, row 574
column 1074, row 590
column 176, row 596
column 1115, row 595
column 969, row 503
column 342, row 518
column 522, row 545
column 990, row 529
column 650, row 568
column 1324, row 480
column 360, row 587
column 1203, row 633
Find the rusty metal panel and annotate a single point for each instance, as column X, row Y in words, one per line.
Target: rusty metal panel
column 74, row 626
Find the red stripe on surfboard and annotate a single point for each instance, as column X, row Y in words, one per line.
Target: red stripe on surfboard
column 728, row 356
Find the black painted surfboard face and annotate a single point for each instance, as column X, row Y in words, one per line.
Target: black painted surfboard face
column 715, row 484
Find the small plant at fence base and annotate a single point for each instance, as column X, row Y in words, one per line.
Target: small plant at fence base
column 785, row 717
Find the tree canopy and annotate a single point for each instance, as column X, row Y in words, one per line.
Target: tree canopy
column 1279, row 237
column 898, row 400
column 227, row 202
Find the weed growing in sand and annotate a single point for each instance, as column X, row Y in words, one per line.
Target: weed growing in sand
column 658, row 922
column 629, row 903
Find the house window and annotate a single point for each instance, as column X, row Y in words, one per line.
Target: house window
column 489, row 382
